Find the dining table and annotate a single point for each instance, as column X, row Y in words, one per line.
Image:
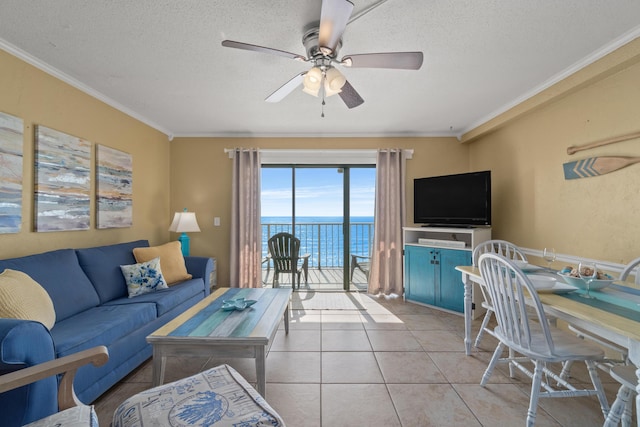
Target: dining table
column 614, row 313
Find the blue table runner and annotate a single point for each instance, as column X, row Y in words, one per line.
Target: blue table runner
column 615, row 299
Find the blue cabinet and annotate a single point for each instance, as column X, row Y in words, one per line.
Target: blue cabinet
column 431, row 278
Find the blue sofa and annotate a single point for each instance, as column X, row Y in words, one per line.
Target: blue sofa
column 92, row 308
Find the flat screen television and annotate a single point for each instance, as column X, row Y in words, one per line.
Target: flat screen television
column 462, row 200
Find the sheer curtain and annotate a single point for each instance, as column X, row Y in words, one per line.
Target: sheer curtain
column 246, row 231
column 386, row 256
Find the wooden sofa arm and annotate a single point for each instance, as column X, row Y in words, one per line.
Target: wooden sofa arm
column 67, row 365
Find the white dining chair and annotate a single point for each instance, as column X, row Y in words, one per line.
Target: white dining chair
column 622, row 408
column 506, row 249
column 629, row 270
column 528, row 333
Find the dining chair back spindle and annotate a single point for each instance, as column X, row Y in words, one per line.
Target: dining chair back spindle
column 629, row 270
column 523, row 328
column 506, row 249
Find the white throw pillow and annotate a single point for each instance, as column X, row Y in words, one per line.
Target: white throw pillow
column 143, row 277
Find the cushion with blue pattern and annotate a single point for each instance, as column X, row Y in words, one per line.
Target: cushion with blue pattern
column 143, row 277
column 219, row 396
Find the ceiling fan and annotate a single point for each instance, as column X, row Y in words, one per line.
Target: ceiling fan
column 322, row 45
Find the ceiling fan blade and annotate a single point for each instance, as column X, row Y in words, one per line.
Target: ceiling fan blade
column 350, row 97
column 255, row 48
column 397, row 60
column 286, row 88
column 333, row 20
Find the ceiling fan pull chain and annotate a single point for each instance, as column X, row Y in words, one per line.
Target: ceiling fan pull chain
column 323, row 93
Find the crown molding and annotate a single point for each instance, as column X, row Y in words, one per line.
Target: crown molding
column 581, row 64
column 43, row 66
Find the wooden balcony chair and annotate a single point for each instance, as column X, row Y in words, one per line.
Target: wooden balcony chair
column 69, row 407
column 506, row 249
column 523, row 327
column 362, row 263
column 284, row 250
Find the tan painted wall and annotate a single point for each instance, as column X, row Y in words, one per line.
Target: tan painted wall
column 201, row 178
column 39, row 98
column 534, row 205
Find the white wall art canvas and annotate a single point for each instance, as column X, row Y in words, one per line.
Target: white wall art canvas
column 11, row 136
column 63, row 179
column 114, row 191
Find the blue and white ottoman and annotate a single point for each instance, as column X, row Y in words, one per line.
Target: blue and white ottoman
column 217, row 397
column 77, row 416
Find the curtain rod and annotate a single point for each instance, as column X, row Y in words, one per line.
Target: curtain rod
column 408, row 151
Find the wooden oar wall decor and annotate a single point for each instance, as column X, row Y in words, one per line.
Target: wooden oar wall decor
column 575, row 148
column 594, row 166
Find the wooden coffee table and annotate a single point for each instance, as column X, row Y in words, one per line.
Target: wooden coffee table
column 206, row 330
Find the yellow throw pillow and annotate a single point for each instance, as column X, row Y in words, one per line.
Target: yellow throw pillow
column 21, row 297
column 171, row 261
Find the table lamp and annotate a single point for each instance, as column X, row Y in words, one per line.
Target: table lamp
column 184, row 222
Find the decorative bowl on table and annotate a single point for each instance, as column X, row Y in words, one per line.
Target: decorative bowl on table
column 542, row 282
column 596, row 284
column 237, row 304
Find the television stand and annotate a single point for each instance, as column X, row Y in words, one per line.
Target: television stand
column 450, row 226
column 431, row 255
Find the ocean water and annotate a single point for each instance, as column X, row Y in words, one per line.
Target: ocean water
column 322, row 237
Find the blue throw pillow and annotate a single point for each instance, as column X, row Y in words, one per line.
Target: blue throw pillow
column 143, row 277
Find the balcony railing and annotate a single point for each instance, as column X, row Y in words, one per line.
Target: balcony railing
column 324, row 241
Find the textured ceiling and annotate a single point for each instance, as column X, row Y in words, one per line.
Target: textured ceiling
column 161, row 61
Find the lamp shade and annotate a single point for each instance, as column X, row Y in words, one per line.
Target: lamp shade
column 312, row 81
column 184, row 222
column 334, row 80
column 328, row 91
column 313, row 77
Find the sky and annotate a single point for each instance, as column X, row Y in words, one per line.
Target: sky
column 318, row 192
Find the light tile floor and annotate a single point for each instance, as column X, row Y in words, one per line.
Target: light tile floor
column 395, row 364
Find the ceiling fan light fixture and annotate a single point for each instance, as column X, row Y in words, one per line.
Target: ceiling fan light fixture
column 312, row 81
column 313, row 77
column 311, row 91
column 328, row 91
column 334, row 80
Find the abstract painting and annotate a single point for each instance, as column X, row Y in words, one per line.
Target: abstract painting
column 62, row 184
column 11, row 133
column 114, row 192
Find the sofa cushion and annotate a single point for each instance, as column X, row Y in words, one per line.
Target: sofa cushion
column 59, row 273
column 102, row 266
column 171, row 260
column 100, row 326
column 166, row 299
column 143, row 277
column 21, row 297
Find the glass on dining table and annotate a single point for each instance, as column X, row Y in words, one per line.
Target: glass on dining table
column 549, row 255
column 588, row 271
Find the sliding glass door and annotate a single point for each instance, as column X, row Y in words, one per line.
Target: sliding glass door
column 331, row 214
